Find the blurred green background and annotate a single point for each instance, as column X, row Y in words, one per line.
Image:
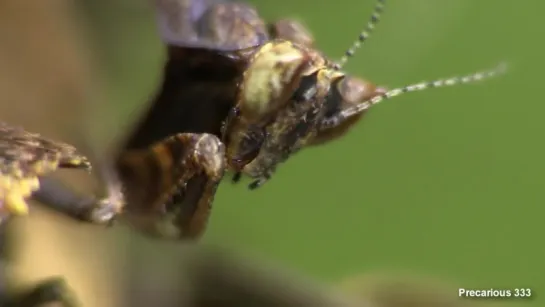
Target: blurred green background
column 446, row 182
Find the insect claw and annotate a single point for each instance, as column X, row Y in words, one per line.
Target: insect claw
column 236, row 177
column 80, row 162
column 105, row 214
column 259, row 182
column 107, row 209
column 256, row 184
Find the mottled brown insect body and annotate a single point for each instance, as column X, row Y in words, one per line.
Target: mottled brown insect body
column 24, row 157
column 164, row 199
column 281, row 101
column 259, row 92
column 187, row 169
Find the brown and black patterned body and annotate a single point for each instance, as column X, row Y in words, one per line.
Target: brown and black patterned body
column 238, row 94
column 164, row 185
column 210, row 46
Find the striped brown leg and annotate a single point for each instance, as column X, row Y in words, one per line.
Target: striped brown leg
column 170, row 186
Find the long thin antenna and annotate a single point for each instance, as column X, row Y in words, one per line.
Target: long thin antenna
column 364, row 35
column 336, row 120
